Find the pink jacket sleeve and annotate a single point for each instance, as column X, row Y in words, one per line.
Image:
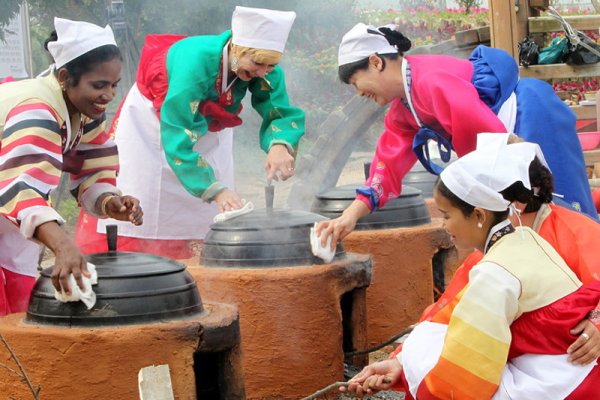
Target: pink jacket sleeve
column 393, row 157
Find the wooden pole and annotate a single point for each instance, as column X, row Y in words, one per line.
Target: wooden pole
column 505, row 29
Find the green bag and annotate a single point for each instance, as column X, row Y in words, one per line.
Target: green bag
column 556, row 52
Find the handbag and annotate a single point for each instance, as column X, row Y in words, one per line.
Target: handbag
column 585, row 52
column 582, row 49
column 528, row 52
column 556, row 52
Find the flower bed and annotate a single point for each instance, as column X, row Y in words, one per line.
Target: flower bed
column 429, row 26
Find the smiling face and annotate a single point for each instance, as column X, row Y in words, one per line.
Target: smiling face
column 378, row 81
column 463, row 230
column 249, row 67
column 95, row 89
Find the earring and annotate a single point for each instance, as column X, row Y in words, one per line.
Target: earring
column 62, row 86
column 479, row 225
column 234, row 64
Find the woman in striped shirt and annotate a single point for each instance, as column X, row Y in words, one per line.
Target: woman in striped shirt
column 49, row 125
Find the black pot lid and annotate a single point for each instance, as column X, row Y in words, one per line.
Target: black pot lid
column 409, row 209
column 132, row 288
column 262, row 238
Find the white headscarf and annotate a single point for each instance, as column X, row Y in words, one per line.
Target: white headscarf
column 76, row 38
column 358, row 43
column 259, row 28
column 478, row 178
column 499, row 140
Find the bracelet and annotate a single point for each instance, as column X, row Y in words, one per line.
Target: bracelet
column 105, row 202
column 594, row 316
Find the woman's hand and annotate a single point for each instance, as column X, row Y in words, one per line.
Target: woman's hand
column 586, row 348
column 342, row 226
column 124, row 208
column 69, row 259
column 228, row 200
column 279, row 163
column 375, row 377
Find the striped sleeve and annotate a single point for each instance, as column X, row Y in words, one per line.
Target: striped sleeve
column 30, row 165
column 477, row 342
column 100, row 166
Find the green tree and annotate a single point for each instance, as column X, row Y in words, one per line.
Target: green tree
column 8, row 10
column 468, row 4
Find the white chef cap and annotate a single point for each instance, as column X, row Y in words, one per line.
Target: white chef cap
column 358, row 43
column 76, row 38
column 527, row 150
column 259, row 28
column 478, row 178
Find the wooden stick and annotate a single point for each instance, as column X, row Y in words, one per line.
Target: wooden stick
column 24, row 374
column 335, row 385
column 325, row 390
column 11, row 370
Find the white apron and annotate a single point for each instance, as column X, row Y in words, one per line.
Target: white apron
column 170, row 212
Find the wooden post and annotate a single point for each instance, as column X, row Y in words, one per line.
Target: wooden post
column 523, row 12
column 504, row 25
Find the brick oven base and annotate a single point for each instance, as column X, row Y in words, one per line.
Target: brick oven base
column 103, row 363
column 291, row 321
column 402, row 283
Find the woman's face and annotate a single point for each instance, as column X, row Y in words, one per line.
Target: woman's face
column 248, row 68
column 374, row 83
column 464, row 231
column 95, row 89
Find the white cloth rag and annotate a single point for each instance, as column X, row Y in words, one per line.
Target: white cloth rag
column 324, row 253
column 247, row 207
column 87, row 295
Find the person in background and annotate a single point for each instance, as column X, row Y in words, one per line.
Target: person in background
column 450, row 100
column 174, row 129
column 583, row 351
column 50, row 125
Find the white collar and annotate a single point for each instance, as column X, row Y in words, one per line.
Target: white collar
column 225, row 70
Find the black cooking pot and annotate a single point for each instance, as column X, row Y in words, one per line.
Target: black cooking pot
column 268, row 237
column 132, row 288
column 419, row 178
column 409, row 209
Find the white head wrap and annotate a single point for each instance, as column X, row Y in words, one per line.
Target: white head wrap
column 358, row 44
column 478, row 177
column 259, row 28
column 76, row 38
column 497, row 141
